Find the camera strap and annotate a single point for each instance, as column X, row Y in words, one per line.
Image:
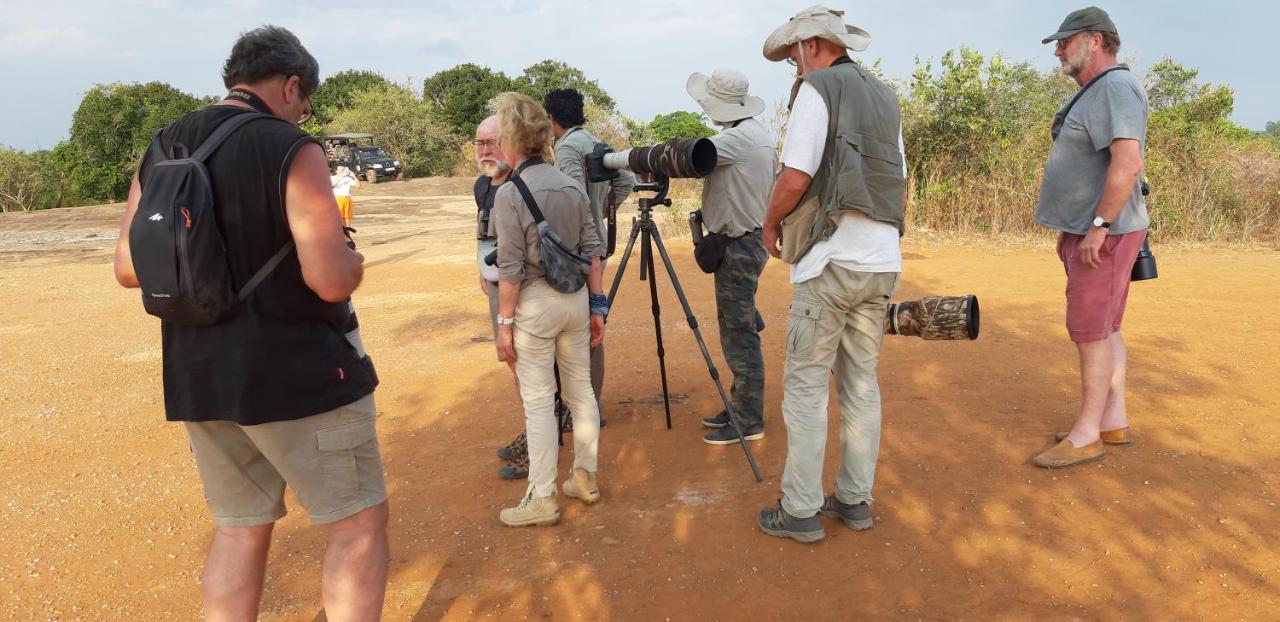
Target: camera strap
column 253, row 100
column 1061, row 118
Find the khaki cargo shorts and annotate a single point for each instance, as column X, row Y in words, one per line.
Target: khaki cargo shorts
column 330, row 460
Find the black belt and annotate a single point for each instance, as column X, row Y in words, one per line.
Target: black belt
column 488, row 239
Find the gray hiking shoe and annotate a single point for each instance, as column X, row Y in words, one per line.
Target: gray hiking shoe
column 719, row 421
column 517, row 468
column 776, row 522
column 729, row 436
column 856, row 517
column 517, row 446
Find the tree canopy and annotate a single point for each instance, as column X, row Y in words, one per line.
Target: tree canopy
column 462, row 94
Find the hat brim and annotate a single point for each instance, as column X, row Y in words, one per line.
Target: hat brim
column 717, row 109
column 1061, row 34
column 779, row 42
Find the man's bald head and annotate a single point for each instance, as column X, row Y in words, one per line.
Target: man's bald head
column 488, row 156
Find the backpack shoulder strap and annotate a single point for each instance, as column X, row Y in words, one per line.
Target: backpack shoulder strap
column 265, row 270
column 528, row 198
column 224, row 130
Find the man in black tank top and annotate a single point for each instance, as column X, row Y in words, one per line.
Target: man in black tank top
column 276, row 394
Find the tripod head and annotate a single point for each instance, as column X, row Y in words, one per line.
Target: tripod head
column 659, row 184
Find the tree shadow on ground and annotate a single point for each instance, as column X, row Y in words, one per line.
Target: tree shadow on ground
column 966, row 527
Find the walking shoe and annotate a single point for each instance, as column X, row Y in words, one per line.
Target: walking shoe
column 516, row 469
column 856, row 516
column 1065, row 454
column 729, row 436
column 581, row 485
column 533, row 511
column 1118, row 436
column 719, row 421
column 518, row 445
column 776, row 522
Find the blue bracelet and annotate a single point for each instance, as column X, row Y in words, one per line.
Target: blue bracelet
column 599, row 304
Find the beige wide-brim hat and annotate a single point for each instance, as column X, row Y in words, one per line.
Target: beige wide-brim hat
column 723, row 95
column 815, row 21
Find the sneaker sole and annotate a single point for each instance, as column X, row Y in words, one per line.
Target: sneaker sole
column 856, row 525
column 734, row 441
column 537, row 522
column 798, row 536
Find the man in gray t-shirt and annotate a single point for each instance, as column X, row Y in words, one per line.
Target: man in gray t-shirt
column 734, row 199
column 1091, row 194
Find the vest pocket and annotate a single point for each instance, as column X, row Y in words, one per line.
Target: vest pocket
column 870, row 175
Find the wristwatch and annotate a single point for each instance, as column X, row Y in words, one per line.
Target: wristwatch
column 506, row 321
column 1099, row 222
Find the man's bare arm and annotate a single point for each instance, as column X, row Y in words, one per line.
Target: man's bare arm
column 1122, row 174
column 329, row 267
column 787, row 192
column 124, row 256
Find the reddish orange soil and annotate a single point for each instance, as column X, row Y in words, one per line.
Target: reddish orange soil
column 104, row 519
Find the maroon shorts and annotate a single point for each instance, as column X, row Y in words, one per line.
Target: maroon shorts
column 1096, row 296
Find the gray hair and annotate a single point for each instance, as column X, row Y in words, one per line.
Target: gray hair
column 270, row 51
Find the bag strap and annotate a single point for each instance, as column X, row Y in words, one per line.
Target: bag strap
column 1062, row 114
column 537, row 217
column 528, row 198
column 265, row 270
column 224, row 130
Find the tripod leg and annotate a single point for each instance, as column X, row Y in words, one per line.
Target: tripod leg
column 622, row 267
column 706, row 355
column 646, row 256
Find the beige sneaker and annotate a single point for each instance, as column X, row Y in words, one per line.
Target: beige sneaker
column 582, row 485
column 532, row 511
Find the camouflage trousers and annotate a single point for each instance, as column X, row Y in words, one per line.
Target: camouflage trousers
column 736, row 282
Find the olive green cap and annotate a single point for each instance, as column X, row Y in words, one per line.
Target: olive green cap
column 1091, row 18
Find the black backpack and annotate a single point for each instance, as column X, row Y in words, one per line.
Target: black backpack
column 178, row 252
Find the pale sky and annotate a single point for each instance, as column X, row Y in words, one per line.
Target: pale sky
column 640, row 52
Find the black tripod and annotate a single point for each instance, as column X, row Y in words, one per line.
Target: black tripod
column 644, row 226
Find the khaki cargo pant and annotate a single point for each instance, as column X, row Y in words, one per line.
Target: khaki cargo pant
column 835, row 326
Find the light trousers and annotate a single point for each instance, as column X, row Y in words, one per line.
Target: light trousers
column 550, row 328
column 836, row 325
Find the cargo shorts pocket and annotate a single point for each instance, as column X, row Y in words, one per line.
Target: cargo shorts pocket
column 802, row 327
column 338, row 447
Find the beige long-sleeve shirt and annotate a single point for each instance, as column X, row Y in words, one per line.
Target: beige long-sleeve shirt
column 563, row 203
column 571, row 158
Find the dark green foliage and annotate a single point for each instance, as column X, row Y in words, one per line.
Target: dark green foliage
column 548, row 75
column 679, row 124
column 462, row 95
column 110, row 131
column 337, row 93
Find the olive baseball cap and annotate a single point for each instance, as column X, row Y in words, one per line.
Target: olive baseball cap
column 1091, row 18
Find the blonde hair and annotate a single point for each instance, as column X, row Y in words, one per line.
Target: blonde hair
column 523, row 125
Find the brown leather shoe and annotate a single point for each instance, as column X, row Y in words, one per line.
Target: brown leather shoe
column 1118, row 436
column 1064, row 454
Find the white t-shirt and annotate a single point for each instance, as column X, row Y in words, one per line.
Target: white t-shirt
column 342, row 185
column 858, row 243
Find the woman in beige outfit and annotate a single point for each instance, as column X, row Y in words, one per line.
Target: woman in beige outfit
column 539, row 326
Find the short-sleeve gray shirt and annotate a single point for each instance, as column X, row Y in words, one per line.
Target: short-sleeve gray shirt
column 736, row 195
column 1115, row 107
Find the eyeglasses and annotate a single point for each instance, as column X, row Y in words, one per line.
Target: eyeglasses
column 792, row 62
column 306, row 114
column 491, row 143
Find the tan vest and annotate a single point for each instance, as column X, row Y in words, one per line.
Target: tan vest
column 861, row 165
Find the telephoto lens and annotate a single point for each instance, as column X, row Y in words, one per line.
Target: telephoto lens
column 934, row 318
column 678, row 157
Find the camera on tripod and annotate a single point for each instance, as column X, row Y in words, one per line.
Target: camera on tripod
column 678, row 157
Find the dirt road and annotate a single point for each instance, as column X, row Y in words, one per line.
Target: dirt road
column 103, row 517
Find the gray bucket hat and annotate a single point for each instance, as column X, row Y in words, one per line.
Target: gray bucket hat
column 723, row 95
column 1089, row 18
column 815, row 21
